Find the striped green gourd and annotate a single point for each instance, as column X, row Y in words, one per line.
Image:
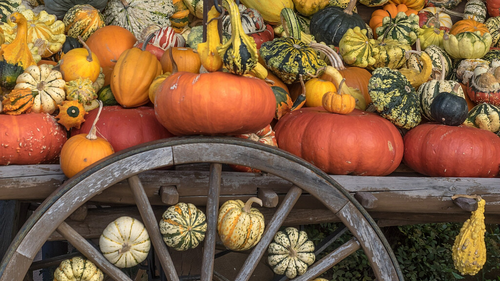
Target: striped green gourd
column 476, row 10
column 8, row 7
column 291, row 23
column 493, row 25
column 403, row 28
column 391, row 54
column 183, row 226
column 484, row 116
column 435, row 53
column 291, row 252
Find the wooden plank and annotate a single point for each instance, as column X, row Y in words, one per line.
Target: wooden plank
column 269, row 197
column 151, row 223
column 90, row 252
column 169, row 195
column 207, row 266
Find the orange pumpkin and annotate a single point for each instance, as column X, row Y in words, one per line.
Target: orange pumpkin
column 389, row 9
column 83, row 150
column 215, row 103
column 416, row 5
column 186, row 59
column 468, row 25
column 132, row 75
column 108, row 43
column 155, row 85
column 80, row 62
column 338, row 102
column 316, row 89
column 276, row 81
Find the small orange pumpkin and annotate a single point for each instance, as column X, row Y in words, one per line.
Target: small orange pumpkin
column 338, row 102
column 83, row 150
column 389, row 9
column 468, row 25
column 316, row 89
column 80, row 62
column 186, row 59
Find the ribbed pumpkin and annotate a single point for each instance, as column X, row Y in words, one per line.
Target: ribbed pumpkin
column 83, row 20
column 193, row 104
column 127, row 89
column 186, row 59
column 16, row 56
column 484, row 116
column 125, row 242
column 331, row 23
column 325, row 139
column 440, row 151
column 338, row 102
column 17, row 101
column 183, row 226
column 142, row 126
column 80, row 62
column 467, row 45
column 389, row 9
column 468, row 25
column 28, row 139
column 240, row 227
column 403, row 28
column 47, row 85
column 394, row 97
column 78, row 269
column 83, row 150
column 108, row 43
column 291, row 252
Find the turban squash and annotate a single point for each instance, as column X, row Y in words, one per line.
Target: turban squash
column 331, row 141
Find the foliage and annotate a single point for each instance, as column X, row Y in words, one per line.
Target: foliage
column 423, row 252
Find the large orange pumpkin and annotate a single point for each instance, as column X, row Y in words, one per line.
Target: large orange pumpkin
column 108, row 43
column 215, row 103
column 332, row 142
column 30, row 139
column 132, row 75
column 452, row 151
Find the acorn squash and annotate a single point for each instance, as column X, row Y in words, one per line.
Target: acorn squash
column 78, row 269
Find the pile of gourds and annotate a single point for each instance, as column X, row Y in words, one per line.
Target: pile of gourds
column 312, row 77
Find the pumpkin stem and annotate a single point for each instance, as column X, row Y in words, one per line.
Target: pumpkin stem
column 333, row 57
column 419, row 48
column 92, row 135
column 350, row 7
column 89, row 57
column 174, row 64
column 456, row 87
column 248, row 204
column 339, row 90
column 301, row 99
column 125, row 4
column 148, row 38
column 452, row 13
column 408, row 53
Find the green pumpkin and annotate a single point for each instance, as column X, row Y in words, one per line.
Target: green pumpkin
column 449, row 109
column 183, row 226
column 391, row 54
column 288, row 58
column 283, row 102
column 106, row 96
column 467, row 45
column 357, row 49
column 331, row 23
column 484, row 116
column 291, row 252
column 70, row 44
column 394, row 97
column 493, row 25
column 402, row 28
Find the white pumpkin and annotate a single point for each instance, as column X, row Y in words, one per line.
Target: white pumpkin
column 125, row 242
column 46, row 83
column 78, row 269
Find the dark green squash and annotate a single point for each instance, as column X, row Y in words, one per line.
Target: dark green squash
column 449, row 109
column 60, row 7
column 394, row 97
column 288, row 58
column 484, row 116
column 70, row 44
column 106, row 96
column 331, row 23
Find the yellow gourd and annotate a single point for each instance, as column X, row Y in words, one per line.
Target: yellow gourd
column 80, row 62
column 210, row 58
column 416, row 77
column 316, row 88
column 469, row 249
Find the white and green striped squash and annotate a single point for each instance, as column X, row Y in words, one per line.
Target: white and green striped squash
column 467, row 45
column 484, row 116
column 475, row 10
column 135, row 15
column 78, row 269
column 125, row 242
column 394, row 97
column 240, row 227
column 291, row 252
column 493, row 25
column 403, row 28
column 8, row 7
column 183, row 226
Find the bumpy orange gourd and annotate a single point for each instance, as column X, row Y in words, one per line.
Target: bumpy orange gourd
column 80, row 62
column 83, row 150
column 338, row 102
column 129, row 91
column 186, row 59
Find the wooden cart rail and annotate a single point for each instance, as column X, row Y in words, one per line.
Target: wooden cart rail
column 397, row 199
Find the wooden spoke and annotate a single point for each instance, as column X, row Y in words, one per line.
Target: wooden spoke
column 151, row 224
column 211, row 213
column 284, row 209
column 90, row 252
column 330, row 239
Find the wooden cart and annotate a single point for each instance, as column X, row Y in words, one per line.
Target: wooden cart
column 136, row 182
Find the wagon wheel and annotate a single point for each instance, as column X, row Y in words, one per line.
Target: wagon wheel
column 126, row 164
